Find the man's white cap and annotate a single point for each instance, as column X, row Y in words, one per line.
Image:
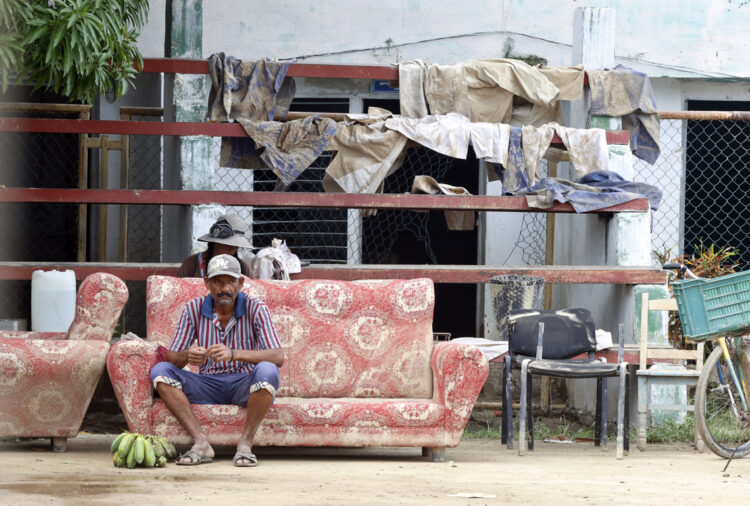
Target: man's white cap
column 224, row 265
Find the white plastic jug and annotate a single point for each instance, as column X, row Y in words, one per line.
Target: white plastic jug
column 53, row 300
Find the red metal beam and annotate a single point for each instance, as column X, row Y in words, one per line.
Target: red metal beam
column 128, row 272
column 82, row 126
column 483, row 273
column 185, row 66
column 470, row 274
column 293, row 199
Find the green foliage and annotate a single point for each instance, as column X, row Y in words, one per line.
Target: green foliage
column 707, row 262
column 78, row 48
column 670, row 431
column 563, row 429
column 491, row 432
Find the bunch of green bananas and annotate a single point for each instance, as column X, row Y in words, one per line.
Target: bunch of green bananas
column 131, row 449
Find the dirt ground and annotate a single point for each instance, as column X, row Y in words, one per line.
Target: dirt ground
column 554, row 473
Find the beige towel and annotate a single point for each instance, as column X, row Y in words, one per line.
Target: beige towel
column 367, row 153
column 456, row 220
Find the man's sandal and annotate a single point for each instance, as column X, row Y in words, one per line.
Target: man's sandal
column 195, row 457
column 250, row 459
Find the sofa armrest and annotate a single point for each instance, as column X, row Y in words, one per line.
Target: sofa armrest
column 459, row 372
column 129, row 365
column 99, row 303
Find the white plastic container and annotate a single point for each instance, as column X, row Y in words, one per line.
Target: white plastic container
column 53, row 300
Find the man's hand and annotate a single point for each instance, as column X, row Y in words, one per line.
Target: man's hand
column 220, row 353
column 197, row 355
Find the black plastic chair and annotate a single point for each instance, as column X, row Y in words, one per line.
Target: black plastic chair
column 564, row 341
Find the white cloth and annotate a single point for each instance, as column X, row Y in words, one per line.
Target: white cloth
column 275, row 262
column 491, row 349
column 490, row 141
column 587, row 148
column 411, row 89
column 447, row 134
column 603, row 339
column 534, row 142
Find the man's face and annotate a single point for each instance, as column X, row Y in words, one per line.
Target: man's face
column 224, row 249
column 224, row 289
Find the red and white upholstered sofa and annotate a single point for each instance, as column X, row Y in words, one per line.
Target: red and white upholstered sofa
column 47, row 379
column 360, row 369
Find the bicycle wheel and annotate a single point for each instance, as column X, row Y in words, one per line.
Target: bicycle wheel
column 720, row 417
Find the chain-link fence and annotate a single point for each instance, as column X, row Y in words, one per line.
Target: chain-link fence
column 36, row 232
column 703, row 174
column 666, row 174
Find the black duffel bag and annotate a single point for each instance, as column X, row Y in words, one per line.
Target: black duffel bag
column 567, row 332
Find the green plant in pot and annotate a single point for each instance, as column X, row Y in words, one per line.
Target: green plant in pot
column 77, row 48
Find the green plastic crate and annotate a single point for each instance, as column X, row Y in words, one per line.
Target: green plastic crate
column 714, row 307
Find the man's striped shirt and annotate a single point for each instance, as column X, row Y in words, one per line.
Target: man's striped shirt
column 250, row 328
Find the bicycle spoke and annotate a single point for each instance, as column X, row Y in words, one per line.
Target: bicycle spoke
column 721, row 418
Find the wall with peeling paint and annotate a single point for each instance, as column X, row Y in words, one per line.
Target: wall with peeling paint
column 685, row 38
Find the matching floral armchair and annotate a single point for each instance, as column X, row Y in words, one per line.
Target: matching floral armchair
column 47, row 379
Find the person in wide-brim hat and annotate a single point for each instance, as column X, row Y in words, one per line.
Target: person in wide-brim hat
column 225, row 237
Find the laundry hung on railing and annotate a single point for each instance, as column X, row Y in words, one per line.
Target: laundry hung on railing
column 371, row 146
column 253, row 93
column 367, row 153
column 593, row 191
column 627, row 93
column 492, row 91
column 456, row 220
column 289, row 148
column 250, row 90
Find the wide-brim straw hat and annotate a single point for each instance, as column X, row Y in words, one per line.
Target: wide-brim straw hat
column 229, row 229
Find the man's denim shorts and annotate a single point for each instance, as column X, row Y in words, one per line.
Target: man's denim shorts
column 218, row 388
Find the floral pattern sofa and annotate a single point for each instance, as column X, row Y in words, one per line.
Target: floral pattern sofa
column 360, row 369
column 47, row 379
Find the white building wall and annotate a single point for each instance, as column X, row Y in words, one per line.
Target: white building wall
column 674, row 38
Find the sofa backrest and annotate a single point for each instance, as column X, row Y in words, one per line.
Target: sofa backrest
column 368, row 338
column 99, row 303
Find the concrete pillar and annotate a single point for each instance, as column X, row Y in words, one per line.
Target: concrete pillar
column 188, row 161
column 599, row 240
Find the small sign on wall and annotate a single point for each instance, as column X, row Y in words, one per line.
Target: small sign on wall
column 384, row 86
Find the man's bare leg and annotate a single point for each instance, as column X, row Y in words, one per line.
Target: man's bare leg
column 178, row 404
column 257, row 407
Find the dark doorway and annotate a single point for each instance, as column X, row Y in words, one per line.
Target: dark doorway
column 717, row 181
column 409, row 237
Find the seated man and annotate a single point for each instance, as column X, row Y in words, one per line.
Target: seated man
column 225, row 237
column 231, row 337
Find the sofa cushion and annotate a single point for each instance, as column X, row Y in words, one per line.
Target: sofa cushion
column 298, row 412
column 46, row 385
column 341, row 339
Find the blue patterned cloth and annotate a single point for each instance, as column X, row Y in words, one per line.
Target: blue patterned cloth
column 627, row 93
column 251, row 91
column 289, row 148
column 594, row 191
column 513, row 176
